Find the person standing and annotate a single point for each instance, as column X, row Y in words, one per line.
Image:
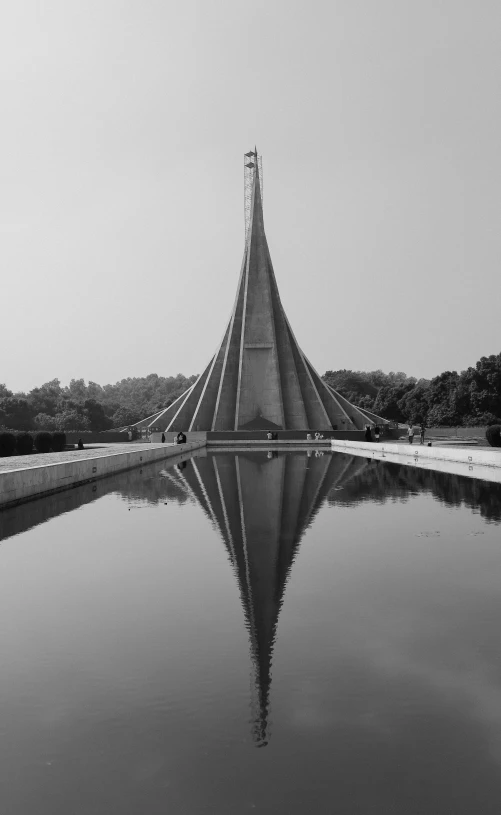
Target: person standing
column 163, row 438
column 421, row 432
column 368, row 434
column 376, row 432
column 410, row 433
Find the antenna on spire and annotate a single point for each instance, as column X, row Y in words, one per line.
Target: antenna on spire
column 252, row 162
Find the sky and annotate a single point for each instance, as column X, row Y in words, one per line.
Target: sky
column 124, row 126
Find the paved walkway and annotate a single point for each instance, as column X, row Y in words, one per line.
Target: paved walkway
column 92, row 451
column 440, row 442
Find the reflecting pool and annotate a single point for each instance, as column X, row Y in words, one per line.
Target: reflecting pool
column 253, row 632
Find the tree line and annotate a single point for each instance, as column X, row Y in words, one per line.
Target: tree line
column 81, row 406
column 451, row 399
column 471, row 398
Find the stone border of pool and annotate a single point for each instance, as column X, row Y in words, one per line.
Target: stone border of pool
column 18, row 486
column 484, row 464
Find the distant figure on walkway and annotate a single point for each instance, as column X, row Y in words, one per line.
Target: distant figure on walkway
column 80, row 444
column 163, row 438
column 269, row 435
column 308, row 437
column 368, row 434
column 410, row 433
column 180, row 438
column 377, row 432
column 421, row 432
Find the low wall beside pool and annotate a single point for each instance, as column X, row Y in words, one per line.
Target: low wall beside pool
column 473, row 463
column 19, row 485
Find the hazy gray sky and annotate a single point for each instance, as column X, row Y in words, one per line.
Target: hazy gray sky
column 121, row 198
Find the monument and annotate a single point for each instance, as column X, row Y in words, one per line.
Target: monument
column 258, row 378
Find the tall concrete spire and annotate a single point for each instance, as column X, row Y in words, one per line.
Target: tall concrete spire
column 259, row 378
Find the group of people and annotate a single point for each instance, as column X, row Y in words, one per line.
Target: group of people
column 180, row 438
column 410, row 432
column 369, row 430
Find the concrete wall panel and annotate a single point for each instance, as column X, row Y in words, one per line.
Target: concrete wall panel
column 17, row 486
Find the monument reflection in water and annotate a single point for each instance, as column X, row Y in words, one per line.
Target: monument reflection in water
column 261, row 503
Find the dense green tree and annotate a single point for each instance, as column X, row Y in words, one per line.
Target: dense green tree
column 123, row 417
column 15, row 413
column 441, row 398
column 362, row 387
column 96, row 416
column 76, row 390
column 45, row 398
column 413, row 404
column 353, row 385
column 72, row 419
column 388, row 402
column 43, row 421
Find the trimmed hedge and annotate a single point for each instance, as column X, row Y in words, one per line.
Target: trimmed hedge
column 58, row 441
column 493, row 435
column 24, row 444
column 7, row 444
column 43, row 441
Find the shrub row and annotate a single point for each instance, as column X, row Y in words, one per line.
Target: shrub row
column 23, row 443
column 493, row 435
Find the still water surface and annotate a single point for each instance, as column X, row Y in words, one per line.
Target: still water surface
column 284, row 634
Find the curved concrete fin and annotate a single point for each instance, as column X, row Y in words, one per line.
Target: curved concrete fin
column 204, row 412
column 337, row 413
column 149, row 419
column 162, row 419
column 295, row 416
column 316, row 414
column 373, row 417
column 224, row 411
column 358, row 419
column 181, row 420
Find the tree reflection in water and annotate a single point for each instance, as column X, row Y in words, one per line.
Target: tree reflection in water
column 383, row 481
